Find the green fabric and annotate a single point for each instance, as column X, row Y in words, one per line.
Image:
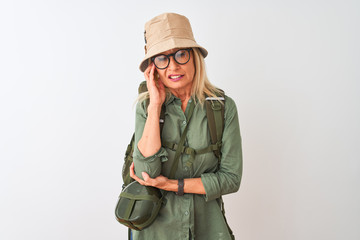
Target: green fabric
column 129, row 208
column 211, row 121
column 215, row 116
column 219, row 128
column 218, row 118
column 128, row 160
column 175, row 164
column 199, row 213
column 139, row 197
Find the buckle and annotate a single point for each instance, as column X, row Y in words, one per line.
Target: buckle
column 216, row 106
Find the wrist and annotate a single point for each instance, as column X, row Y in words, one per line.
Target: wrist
column 171, row 185
column 154, row 110
column 180, row 190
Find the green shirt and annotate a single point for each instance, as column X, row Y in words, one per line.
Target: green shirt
column 200, row 214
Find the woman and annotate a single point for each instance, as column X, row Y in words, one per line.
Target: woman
column 174, row 70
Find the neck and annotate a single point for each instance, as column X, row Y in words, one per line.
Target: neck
column 184, row 95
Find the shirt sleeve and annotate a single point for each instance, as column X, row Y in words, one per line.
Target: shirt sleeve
column 151, row 164
column 228, row 177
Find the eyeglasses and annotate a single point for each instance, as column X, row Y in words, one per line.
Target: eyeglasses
column 181, row 57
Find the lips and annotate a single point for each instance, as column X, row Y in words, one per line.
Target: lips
column 175, row 77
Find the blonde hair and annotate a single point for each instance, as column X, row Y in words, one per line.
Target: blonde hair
column 201, row 87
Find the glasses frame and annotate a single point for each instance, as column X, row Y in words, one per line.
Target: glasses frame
column 173, row 55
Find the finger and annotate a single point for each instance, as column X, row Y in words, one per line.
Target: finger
column 132, row 169
column 149, row 66
column 147, row 71
column 161, row 85
column 136, row 178
column 147, row 179
column 152, row 71
column 139, row 180
column 146, row 176
column 132, row 172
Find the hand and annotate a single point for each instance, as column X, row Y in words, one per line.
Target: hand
column 156, row 88
column 158, row 182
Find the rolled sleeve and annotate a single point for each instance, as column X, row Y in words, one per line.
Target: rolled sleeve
column 228, row 177
column 151, row 164
column 211, row 185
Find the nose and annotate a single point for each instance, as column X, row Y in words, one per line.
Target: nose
column 173, row 64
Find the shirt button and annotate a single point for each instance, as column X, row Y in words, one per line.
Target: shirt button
column 186, row 168
column 190, row 101
column 184, row 122
column 186, row 213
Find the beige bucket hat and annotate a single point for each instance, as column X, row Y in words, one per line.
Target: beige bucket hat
column 165, row 32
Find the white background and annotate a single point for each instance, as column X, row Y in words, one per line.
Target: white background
column 68, row 81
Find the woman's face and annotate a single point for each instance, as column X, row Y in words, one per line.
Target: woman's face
column 178, row 77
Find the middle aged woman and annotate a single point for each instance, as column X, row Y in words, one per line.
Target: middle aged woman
column 174, row 70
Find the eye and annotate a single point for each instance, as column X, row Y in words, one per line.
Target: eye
column 182, row 56
column 181, row 53
column 161, row 58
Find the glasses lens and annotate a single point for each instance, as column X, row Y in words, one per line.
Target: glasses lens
column 182, row 56
column 161, row 61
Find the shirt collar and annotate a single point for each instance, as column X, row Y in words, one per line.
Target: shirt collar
column 172, row 99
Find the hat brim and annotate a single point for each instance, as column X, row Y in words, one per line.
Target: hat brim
column 167, row 45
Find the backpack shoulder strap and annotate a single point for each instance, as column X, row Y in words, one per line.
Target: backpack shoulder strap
column 215, row 112
column 142, row 87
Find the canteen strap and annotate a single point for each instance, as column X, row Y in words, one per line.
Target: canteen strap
column 139, row 197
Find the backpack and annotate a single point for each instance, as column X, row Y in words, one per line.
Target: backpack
column 215, row 114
